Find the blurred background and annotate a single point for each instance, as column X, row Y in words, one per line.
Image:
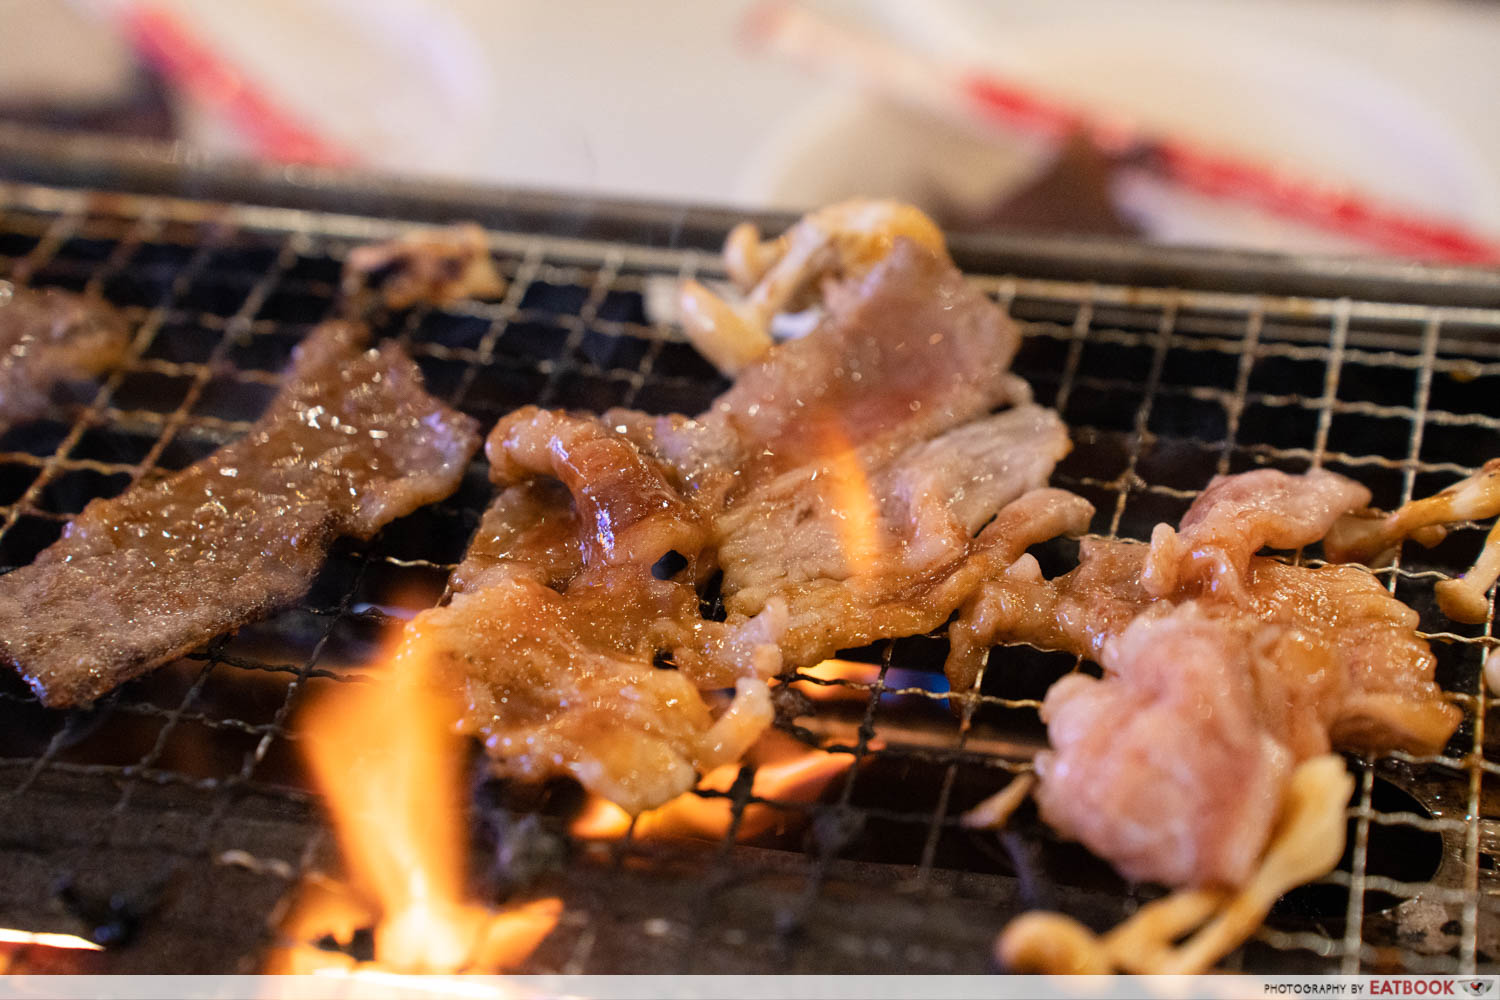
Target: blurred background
column 1362, row 126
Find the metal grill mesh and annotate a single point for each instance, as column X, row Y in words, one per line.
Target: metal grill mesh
column 181, row 796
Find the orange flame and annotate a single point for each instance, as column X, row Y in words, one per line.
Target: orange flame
column 848, row 498
column 390, row 768
column 798, row 774
column 25, row 952
column 860, row 677
column 44, row 939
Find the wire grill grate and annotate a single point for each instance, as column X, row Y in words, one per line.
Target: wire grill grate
column 187, row 780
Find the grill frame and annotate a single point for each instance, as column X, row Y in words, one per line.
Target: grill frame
column 1277, row 341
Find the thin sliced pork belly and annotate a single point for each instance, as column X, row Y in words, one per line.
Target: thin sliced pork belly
column 48, row 337
column 1387, row 697
column 1339, row 662
column 528, row 530
column 1237, row 516
column 906, row 352
column 841, row 485
column 564, row 684
column 828, row 614
column 949, row 487
column 576, row 659
column 846, row 608
column 629, row 508
column 433, row 266
column 848, row 474
column 909, row 351
column 833, row 520
column 351, row 442
column 1165, row 766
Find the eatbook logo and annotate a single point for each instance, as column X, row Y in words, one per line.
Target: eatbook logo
column 1432, row 986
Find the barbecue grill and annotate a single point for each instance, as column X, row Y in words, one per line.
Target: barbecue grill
column 173, row 820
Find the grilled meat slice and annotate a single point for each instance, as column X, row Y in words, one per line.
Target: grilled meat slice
column 529, row 530
column 1237, row 516
column 826, row 615
column 1167, row 766
column 907, row 351
column 1386, row 697
column 433, row 266
column 552, row 636
column 833, row 520
column 848, row 474
column 630, row 509
column 350, row 443
column 852, row 485
column 1227, row 679
column 1389, row 698
column 48, row 337
column 920, row 569
column 566, row 683
column 578, row 660
column 872, row 462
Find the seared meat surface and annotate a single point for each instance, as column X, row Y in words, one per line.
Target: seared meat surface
column 48, row 337
column 1314, row 657
column 1385, row 696
column 351, row 442
column 851, row 486
column 566, row 683
column 1237, row 516
column 578, row 660
column 433, row 266
column 1167, row 767
column 848, row 474
column 628, row 506
column 907, row 351
column 833, row 520
column 830, row 612
column 527, row 530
